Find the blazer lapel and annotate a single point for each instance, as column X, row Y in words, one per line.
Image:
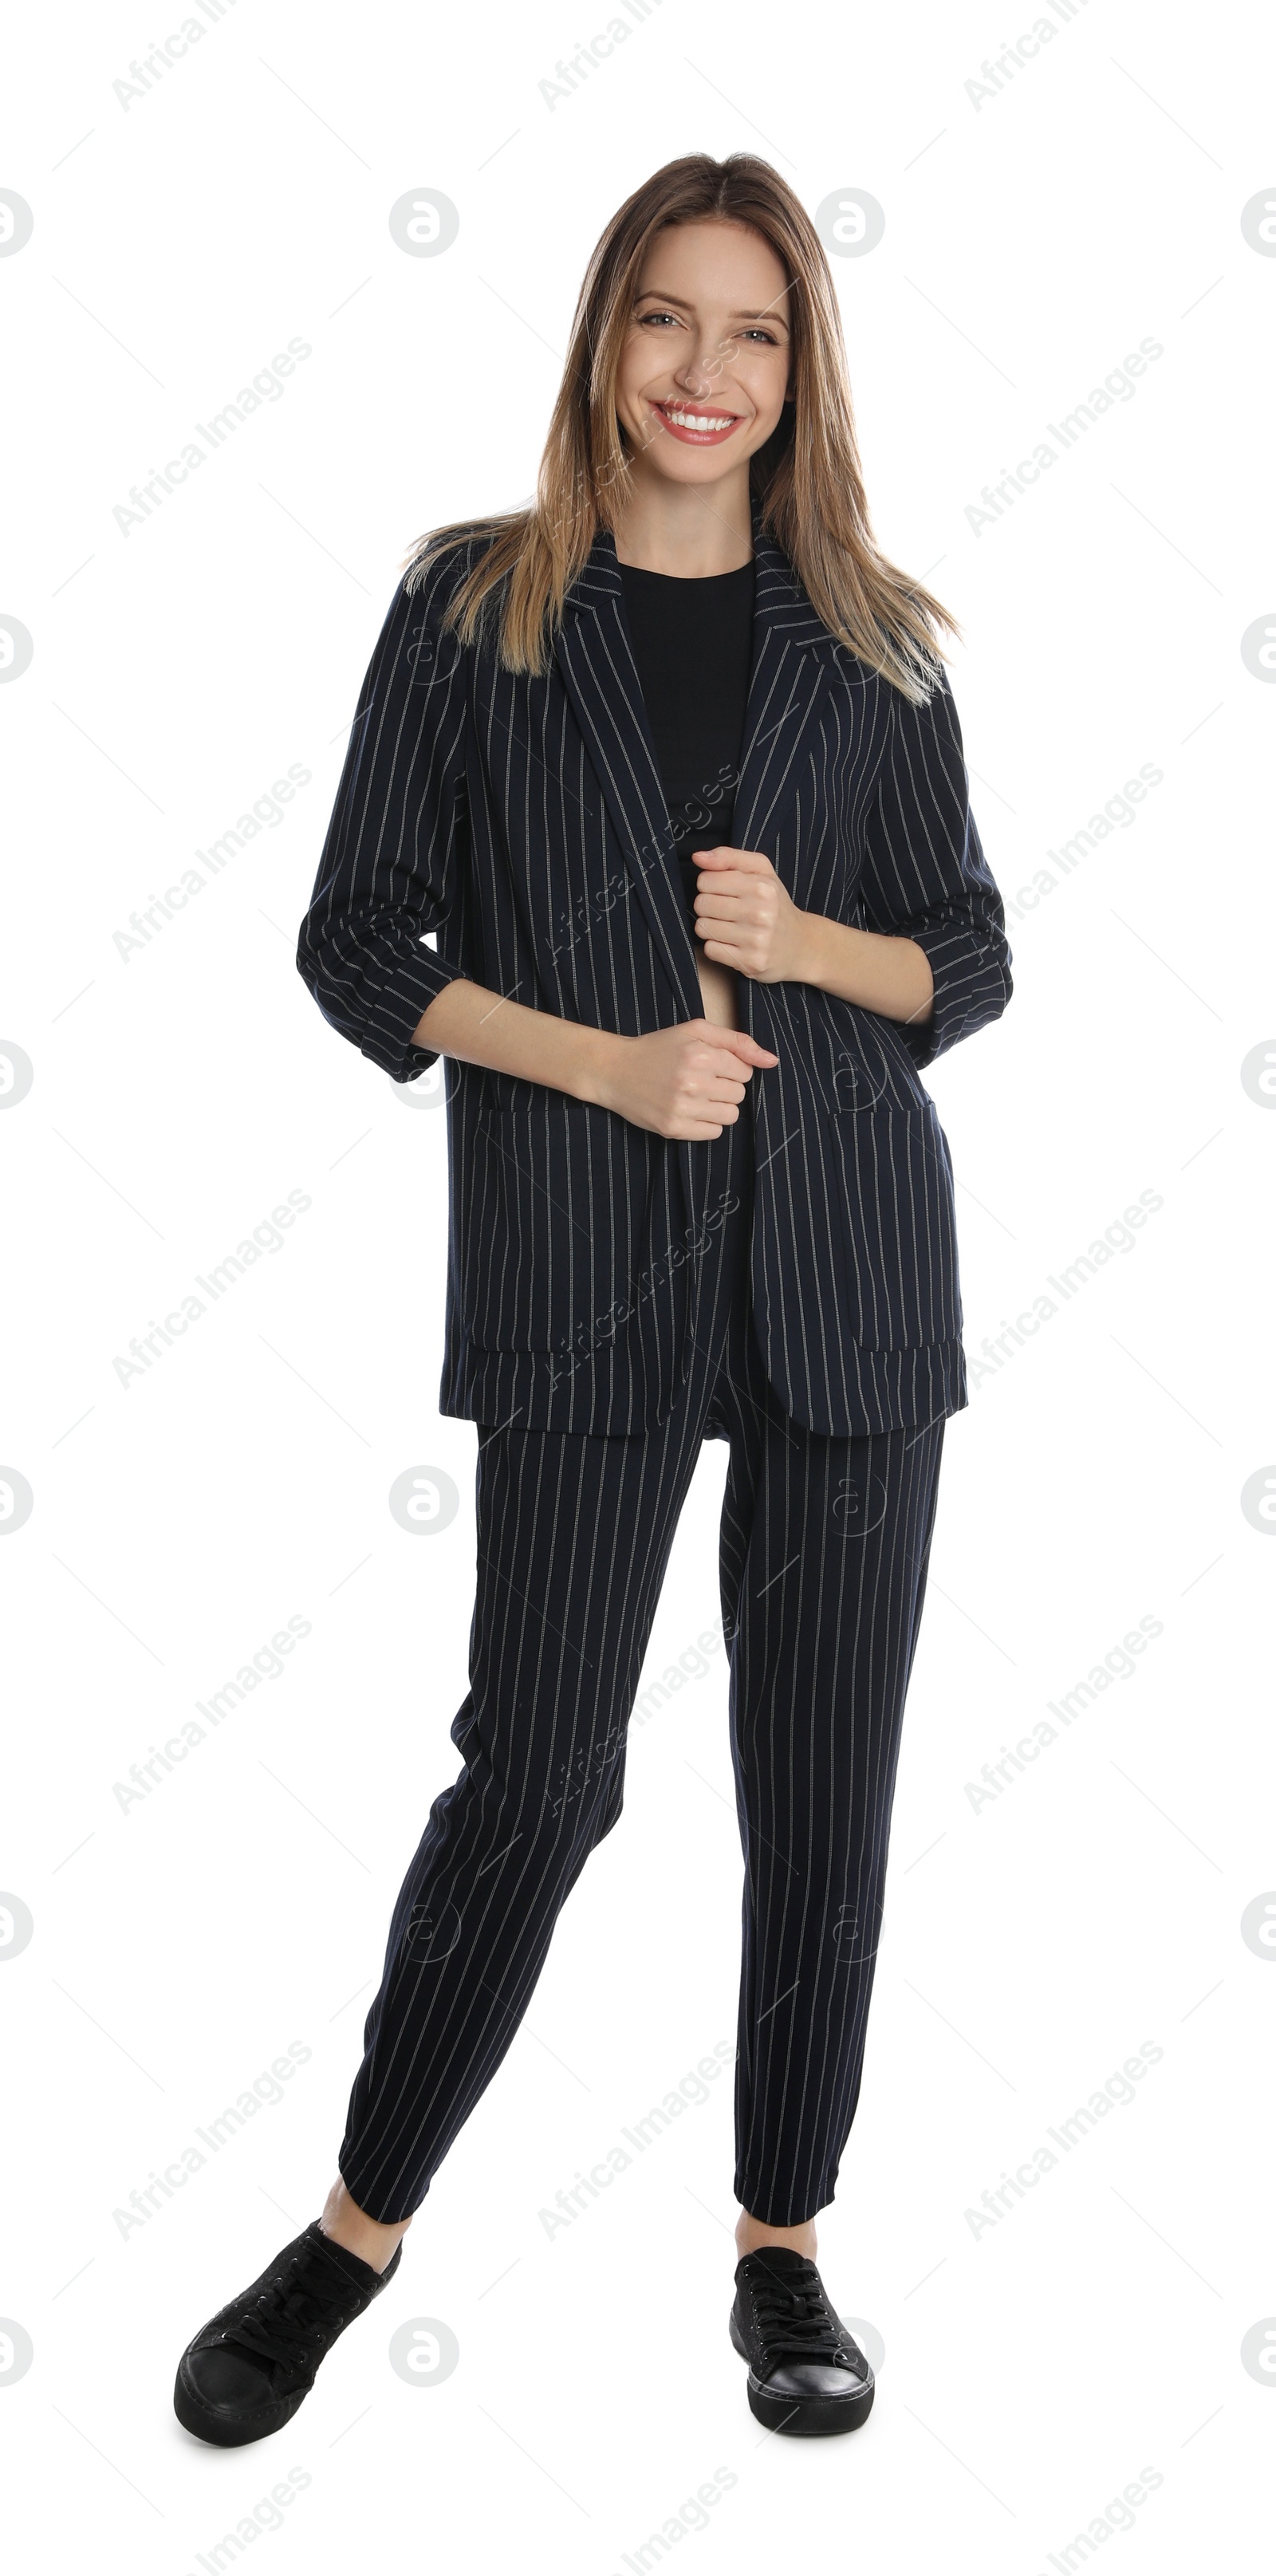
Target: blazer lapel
column 596, row 661
column 793, row 657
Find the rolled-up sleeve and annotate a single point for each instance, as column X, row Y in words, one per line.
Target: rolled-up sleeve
column 392, row 863
column 925, row 876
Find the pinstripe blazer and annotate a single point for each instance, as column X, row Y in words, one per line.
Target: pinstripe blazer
column 521, row 824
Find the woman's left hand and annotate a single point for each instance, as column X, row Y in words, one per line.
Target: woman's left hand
column 746, row 919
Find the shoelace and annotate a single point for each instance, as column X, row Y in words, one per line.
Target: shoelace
column 303, row 2307
column 795, row 2322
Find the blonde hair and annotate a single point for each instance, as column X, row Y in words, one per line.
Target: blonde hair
column 807, row 477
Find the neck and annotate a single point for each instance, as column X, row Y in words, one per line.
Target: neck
column 685, row 528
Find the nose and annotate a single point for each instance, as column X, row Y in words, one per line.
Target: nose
column 700, row 375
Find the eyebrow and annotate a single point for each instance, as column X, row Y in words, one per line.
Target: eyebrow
column 768, row 314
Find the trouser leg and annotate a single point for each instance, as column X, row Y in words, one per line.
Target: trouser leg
column 824, row 1552
column 574, row 1533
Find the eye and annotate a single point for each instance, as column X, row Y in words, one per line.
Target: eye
column 754, row 331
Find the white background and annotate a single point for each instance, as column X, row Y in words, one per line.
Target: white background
column 1034, row 2369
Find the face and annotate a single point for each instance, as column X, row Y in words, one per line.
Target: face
column 704, row 370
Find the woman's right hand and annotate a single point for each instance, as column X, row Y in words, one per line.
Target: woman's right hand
column 684, row 1081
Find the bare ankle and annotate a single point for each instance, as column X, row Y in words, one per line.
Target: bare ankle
column 374, row 2242
column 753, row 2232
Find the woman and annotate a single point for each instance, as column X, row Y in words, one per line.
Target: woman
column 668, row 767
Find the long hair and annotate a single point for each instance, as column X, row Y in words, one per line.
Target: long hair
column 807, row 477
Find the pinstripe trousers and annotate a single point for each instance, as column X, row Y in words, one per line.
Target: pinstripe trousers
column 823, row 1554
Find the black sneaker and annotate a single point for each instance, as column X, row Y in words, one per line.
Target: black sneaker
column 245, row 2373
column 806, row 2373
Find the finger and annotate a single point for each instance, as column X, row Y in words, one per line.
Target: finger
column 727, row 890
column 750, row 863
column 738, row 1042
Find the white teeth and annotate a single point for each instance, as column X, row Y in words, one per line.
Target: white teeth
column 695, row 420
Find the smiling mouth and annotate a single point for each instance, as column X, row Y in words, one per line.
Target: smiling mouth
column 688, row 422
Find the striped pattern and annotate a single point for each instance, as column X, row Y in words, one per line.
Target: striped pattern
column 823, row 1557
column 523, row 823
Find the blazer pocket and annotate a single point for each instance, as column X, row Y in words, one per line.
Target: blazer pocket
column 558, row 1226
column 894, row 1179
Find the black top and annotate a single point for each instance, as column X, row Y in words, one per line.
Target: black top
column 693, row 644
